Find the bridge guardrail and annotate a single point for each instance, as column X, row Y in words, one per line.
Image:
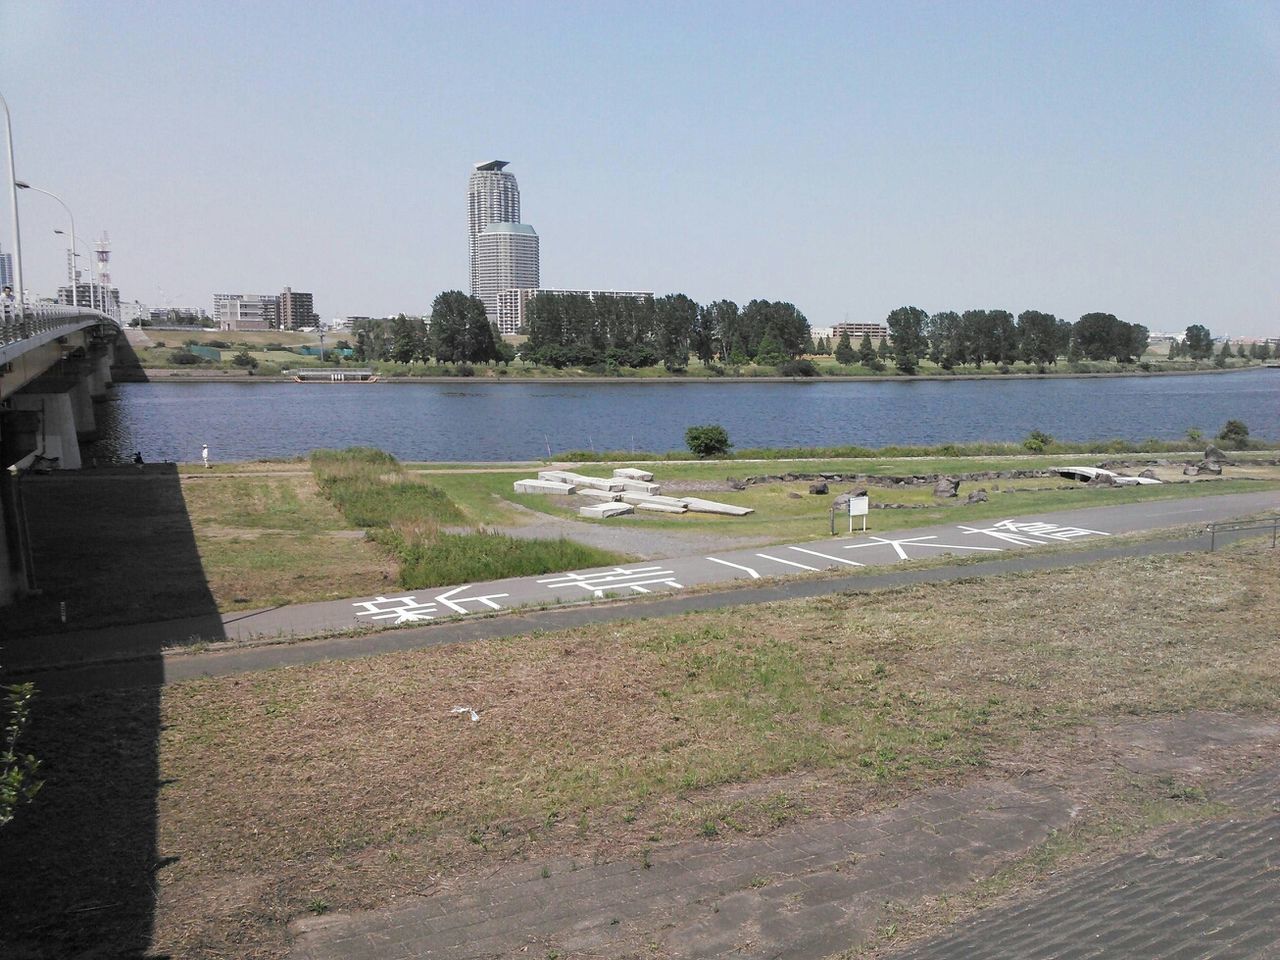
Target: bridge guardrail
column 1236, row 526
column 22, row 323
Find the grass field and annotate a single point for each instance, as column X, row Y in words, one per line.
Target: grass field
column 264, row 541
column 350, row 782
column 170, row 543
column 786, row 510
column 410, row 517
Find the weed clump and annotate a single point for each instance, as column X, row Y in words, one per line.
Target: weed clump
column 410, row 519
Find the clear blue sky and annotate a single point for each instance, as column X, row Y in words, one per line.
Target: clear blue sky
column 850, row 158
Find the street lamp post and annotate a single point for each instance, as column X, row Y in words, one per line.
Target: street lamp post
column 13, row 191
column 75, row 287
column 95, row 295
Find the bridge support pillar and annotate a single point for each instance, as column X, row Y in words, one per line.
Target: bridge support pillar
column 100, row 359
column 58, row 436
column 82, row 406
column 18, row 437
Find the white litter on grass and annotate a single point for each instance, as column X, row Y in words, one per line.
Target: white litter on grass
column 474, row 716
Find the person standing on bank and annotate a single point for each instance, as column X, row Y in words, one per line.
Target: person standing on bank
column 204, row 455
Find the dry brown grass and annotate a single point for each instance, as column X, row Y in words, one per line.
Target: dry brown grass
column 271, row 540
column 352, row 781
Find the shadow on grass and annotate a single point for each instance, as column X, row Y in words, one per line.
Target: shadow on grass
column 81, row 861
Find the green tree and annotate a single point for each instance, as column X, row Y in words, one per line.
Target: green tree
column 1097, row 335
column 770, row 353
column 408, row 338
column 866, row 352
column 977, row 331
column 1136, row 340
column 702, row 338
column 883, row 352
column 1236, row 433
column 505, row 352
column 907, row 327
column 676, row 315
column 460, row 329
column 1240, row 351
column 1038, row 336
column 844, row 350
column 709, row 440
column 1199, row 342
column 371, row 340
column 1004, row 334
column 730, row 334
column 1223, row 355
column 946, row 341
column 245, row 359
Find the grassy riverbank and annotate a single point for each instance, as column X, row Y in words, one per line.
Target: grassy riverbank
column 169, row 542
column 279, row 350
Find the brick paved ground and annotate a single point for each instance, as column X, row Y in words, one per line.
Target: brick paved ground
column 811, row 890
column 1206, row 891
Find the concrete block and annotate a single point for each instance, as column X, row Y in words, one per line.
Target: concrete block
column 601, row 511
column 580, row 480
column 631, row 473
column 595, row 494
column 542, row 486
column 639, row 486
column 638, row 498
column 698, row 505
column 654, row 507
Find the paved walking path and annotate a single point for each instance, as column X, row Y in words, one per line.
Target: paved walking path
column 814, row 889
column 101, row 658
column 1207, row 891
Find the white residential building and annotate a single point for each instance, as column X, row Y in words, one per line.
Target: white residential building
column 245, row 311
column 506, row 256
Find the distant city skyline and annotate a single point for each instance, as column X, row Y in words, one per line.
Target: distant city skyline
column 849, row 158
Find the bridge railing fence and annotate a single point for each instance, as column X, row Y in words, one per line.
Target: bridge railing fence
column 21, row 323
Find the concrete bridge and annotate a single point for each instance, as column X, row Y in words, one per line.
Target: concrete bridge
column 55, row 362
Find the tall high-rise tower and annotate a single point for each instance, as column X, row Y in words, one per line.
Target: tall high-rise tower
column 503, row 251
column 493, row 196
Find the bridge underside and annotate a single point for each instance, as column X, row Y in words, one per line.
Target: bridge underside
column 52, row 371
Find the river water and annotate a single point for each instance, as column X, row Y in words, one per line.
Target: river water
column 477, row 420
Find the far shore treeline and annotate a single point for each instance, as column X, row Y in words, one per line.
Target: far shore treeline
column 611, row 332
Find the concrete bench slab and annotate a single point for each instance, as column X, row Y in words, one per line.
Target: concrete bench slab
column 602, row 511
column 698, row 505
column 543, row 486
column 653, row 507
column 640, row 486
column 595, row 494
column 629, row 496
column 631, row 473
column 580, row 480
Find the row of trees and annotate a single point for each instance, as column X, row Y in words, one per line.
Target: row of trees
column 1200, row 347
column 459, row 331
column 974, row 337
column 573, row 329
